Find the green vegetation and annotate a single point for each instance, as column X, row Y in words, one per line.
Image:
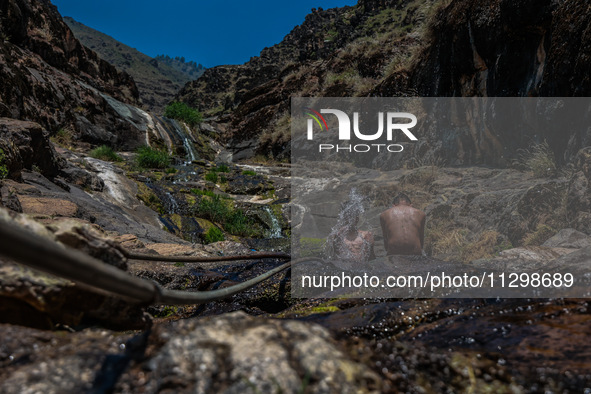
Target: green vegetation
column 211, row 176
column 331, row 35
column 105, row 153
column 181, row 111
column 214, row 234
column 214, row 174
column 311, row 246
column 220, row 211
column 171, row 170
column 222, row 168
column 148, row 157
column 200, row 192
column 149, row 198
column 3, row 168
column 249, row 172
column 167, row 311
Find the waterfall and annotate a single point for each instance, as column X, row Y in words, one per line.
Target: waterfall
column 177, row 134
column 275, row 226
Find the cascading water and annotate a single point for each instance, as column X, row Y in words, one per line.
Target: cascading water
column 351, row 213
column 275, row 227
column 178, row 135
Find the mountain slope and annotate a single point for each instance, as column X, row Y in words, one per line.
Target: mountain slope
column 402, row 48
column 50, row 78
column 158, row 80
column 337, row 52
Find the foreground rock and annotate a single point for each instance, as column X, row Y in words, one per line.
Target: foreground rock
column 32, row 298
column 231, row 353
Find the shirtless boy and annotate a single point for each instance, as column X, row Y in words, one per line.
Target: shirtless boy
column 403, row 227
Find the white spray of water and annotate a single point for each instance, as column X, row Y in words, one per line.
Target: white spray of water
column 351, row 212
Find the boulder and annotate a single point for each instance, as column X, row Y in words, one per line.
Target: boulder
column 32, row 298
column 237, row 353
column 569, row 238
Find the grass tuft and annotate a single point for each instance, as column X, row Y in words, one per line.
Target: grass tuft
column 148, row 157
column 214, row 234
column 539, row 159
column 105, row 153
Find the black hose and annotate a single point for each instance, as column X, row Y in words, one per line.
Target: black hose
column 46, row 255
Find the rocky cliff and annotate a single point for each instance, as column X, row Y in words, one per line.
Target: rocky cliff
column 408, row 48
column 507, row 48
column 158, row 79
column 50, row 78
column 338, row 52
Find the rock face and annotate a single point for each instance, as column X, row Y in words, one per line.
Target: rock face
column 237, row 353
column 26, row 144
column 461, row 48
column 56, row 81
column 328, row 55
column 507, row 48
column 158, row 80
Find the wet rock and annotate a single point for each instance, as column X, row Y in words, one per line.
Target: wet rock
column 247, row 184
column 569, row 238
column 542, row 342
column 116, row 209
column 239, row 353
column 512, row 345
column 415, row 368
column 83, row 178
column 59, row 362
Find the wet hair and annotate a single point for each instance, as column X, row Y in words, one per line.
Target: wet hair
column 401, row 197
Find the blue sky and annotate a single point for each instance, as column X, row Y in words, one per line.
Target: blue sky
column 208, row 32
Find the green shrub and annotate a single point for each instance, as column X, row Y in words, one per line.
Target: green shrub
column 221, row 212
column 222, row 168
column 249, row 172
column 213, row 209
column 171, row 170
column 105, row 153
column 152, row 158
column 214, row 234
column 238, row 223
column 211, row 176
column 3, row 168
column 181, row 111
column 200, row 192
